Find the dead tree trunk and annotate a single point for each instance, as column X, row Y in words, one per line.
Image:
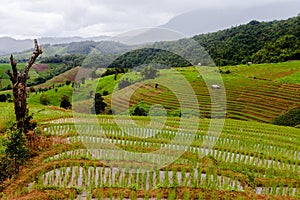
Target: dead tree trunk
column 19, row 84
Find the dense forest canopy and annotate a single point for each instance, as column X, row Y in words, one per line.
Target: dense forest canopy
column 240, row 44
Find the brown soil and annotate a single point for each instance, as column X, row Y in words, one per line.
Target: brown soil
column 40, row 67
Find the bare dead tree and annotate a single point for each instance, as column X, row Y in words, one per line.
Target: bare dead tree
column 19, row 85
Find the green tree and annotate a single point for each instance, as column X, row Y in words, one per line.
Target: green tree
column 65, row 102
column 99, row 104
column 16, row 149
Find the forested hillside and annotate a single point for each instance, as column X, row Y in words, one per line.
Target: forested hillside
column 256, row 41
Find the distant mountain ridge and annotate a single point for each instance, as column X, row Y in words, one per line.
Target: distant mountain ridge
column 10, row 45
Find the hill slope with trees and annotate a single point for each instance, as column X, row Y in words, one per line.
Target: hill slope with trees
column 257, row 42
column 246, row 42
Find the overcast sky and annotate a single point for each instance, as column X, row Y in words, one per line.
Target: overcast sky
column 38, row 18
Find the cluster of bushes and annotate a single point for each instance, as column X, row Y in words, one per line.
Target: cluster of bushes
column 44, row 99
column 144, row 109
column 73, row 59
column 148, row 72
column 291, row 118
column 39, row 90
column 8, row 87
column 113, row 71
column 64, row 102
column 224, row 71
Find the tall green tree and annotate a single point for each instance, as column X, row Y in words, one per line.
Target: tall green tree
column 99, row 104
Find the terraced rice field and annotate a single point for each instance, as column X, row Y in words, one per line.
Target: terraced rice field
column 103, row 160
column 247, row 98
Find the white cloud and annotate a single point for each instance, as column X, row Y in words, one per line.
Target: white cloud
column 32, row 18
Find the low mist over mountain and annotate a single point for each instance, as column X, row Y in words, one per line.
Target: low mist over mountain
column 10, row 45
column 211, row 20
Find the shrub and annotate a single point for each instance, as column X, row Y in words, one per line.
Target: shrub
column 29, row 123
column 44, row 99
column 16, row 149
column 6, row 168
column 68, row 82
column 141, row 109
column 291, row 118
column 139, row 112
column 3, row 98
